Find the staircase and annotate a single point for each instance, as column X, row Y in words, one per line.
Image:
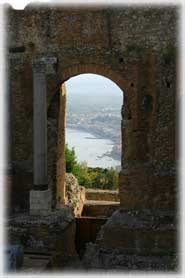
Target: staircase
column 98, row 207
column 100, row 203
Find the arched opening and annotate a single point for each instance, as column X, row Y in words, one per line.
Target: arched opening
column 94, row 106
column 93, row 152
column 87, row 227
column 55, row 88
column 75, row 70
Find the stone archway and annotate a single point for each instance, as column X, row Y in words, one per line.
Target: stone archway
column 66, row 74
column 141, row 59
column 104, row 70
column 136, row 127
column 134, row 58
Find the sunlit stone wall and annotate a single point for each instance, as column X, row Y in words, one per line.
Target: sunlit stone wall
column 135, row 48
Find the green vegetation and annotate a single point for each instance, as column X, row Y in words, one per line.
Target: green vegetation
column 72, row 165
column 90, row 177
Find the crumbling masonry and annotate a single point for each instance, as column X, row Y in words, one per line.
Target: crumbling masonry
column 135, row 47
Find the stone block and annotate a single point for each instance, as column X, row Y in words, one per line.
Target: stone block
column 37, row 211
column 40, row 202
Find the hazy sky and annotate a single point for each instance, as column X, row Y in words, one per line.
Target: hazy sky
column 93, row 84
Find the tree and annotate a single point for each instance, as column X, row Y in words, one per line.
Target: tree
column 71, row 160
column 90, row 177
column 112, row 178
column 84, row 176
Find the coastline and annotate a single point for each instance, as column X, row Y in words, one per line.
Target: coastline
column 98, row 135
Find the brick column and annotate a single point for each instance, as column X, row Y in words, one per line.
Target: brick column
column 40, row 196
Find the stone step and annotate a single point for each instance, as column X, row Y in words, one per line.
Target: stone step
column 99, row 194
column 99, row 208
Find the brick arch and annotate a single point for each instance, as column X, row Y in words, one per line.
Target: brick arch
column 103, row 70
column 66, row 74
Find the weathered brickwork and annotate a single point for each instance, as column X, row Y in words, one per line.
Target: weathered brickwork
column 53, row 234
column 135, row 241
column 136, row 47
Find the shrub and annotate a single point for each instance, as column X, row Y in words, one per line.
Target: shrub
column 90, row 177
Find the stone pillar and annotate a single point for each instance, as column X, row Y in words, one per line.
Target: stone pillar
column 40, row 127
column 40, row 196
column 61, row 169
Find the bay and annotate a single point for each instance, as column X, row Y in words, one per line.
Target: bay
column 91, row 149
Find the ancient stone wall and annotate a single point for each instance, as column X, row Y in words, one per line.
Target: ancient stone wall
column 133, row 46
column 100, row 194
column 53, row 234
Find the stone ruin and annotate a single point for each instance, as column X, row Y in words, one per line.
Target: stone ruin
column 135, row 47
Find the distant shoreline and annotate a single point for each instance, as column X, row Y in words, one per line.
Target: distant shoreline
column 98, row 136
column 92, row 131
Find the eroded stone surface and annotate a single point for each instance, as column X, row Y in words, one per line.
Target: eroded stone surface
column 112, row 259
column 58, row 216
column 136, row 48
column 99, row 194
column 53, row 234
column 135, row 240
column 75, row 194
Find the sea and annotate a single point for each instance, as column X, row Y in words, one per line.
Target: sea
column 91, row 149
